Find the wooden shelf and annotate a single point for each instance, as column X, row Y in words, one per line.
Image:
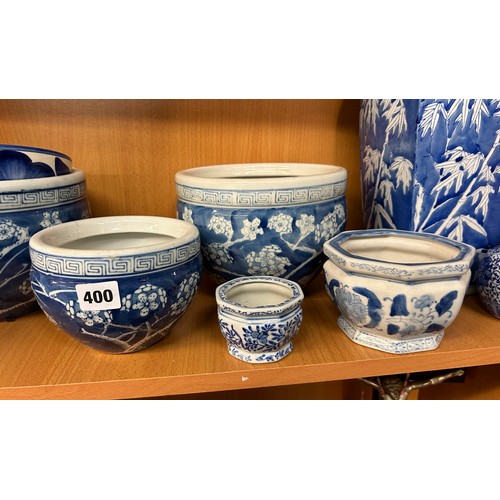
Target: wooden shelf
column 39, row 361
column 130, row 151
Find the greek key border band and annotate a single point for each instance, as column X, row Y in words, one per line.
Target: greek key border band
column 261, row 198
column 41, row 197
column 117, row 266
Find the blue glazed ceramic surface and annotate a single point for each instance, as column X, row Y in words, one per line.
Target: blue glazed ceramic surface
column 488, row 281
column 265, row 241
column 262, row 229
column 396, row 290
column 155, row 290
column 23, row 162
column 432, row 165
column 260, row 324
column 23, row 213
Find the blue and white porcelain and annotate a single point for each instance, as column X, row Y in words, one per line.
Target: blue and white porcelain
column 26, row 207
column 259, row 316
column 396, row 290
column 432, row 165
column 263, row 219
column 25, row 162
column 116, row 284
column 488, row 281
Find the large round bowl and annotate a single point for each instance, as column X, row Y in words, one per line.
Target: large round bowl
column 26, row 162
column 116, row 284
column 263, row 219
column 396, row 290
column 26, row 207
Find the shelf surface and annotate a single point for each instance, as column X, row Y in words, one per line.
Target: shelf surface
column 39, row 361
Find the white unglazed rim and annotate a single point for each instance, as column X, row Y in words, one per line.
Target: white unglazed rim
column 256, row 176
column 41, row 183
column 48, row 241
column 227, row 305
column 406, row 271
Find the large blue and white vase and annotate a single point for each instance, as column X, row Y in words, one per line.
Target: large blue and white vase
column 432, row 165
column 27, row 206
column 263, row 219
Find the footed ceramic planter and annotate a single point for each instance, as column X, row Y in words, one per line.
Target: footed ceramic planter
column 263, row 219
column 396, row 290
column 259, row 316
column 116, row 284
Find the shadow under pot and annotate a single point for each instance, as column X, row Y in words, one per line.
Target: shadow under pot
column 396, row 290
column 116, row 284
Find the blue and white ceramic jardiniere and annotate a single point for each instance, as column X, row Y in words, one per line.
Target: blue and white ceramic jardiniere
column 26, row 207
column 488, row 281
column 432, row 165
column 263, row 219
column 259, row 316
column 25, row 162
column 396, row 290
column 116, row 284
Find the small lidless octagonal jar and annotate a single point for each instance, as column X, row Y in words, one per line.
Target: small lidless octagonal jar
column 396, row 290
column 259, row 316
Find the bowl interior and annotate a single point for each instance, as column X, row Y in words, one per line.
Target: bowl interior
column 254, row 176
column 259, row 294
column 117, row 240
column 261, row 170
column 399, row 249
column 113, row 236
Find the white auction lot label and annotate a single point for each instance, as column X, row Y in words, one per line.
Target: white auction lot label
column 98, row 296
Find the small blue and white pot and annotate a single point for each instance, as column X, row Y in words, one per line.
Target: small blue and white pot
column 259, row 316
column 266, row 219
column 396, row 290
column 26, row 162
column 116, row 284
column 26, row 207
column 488, row 281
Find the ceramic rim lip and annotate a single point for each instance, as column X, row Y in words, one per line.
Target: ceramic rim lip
column 281, row 307
column 48, row 241
column 255, row 176
column 347, row 261
column 33, row 149
column 40, row 183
